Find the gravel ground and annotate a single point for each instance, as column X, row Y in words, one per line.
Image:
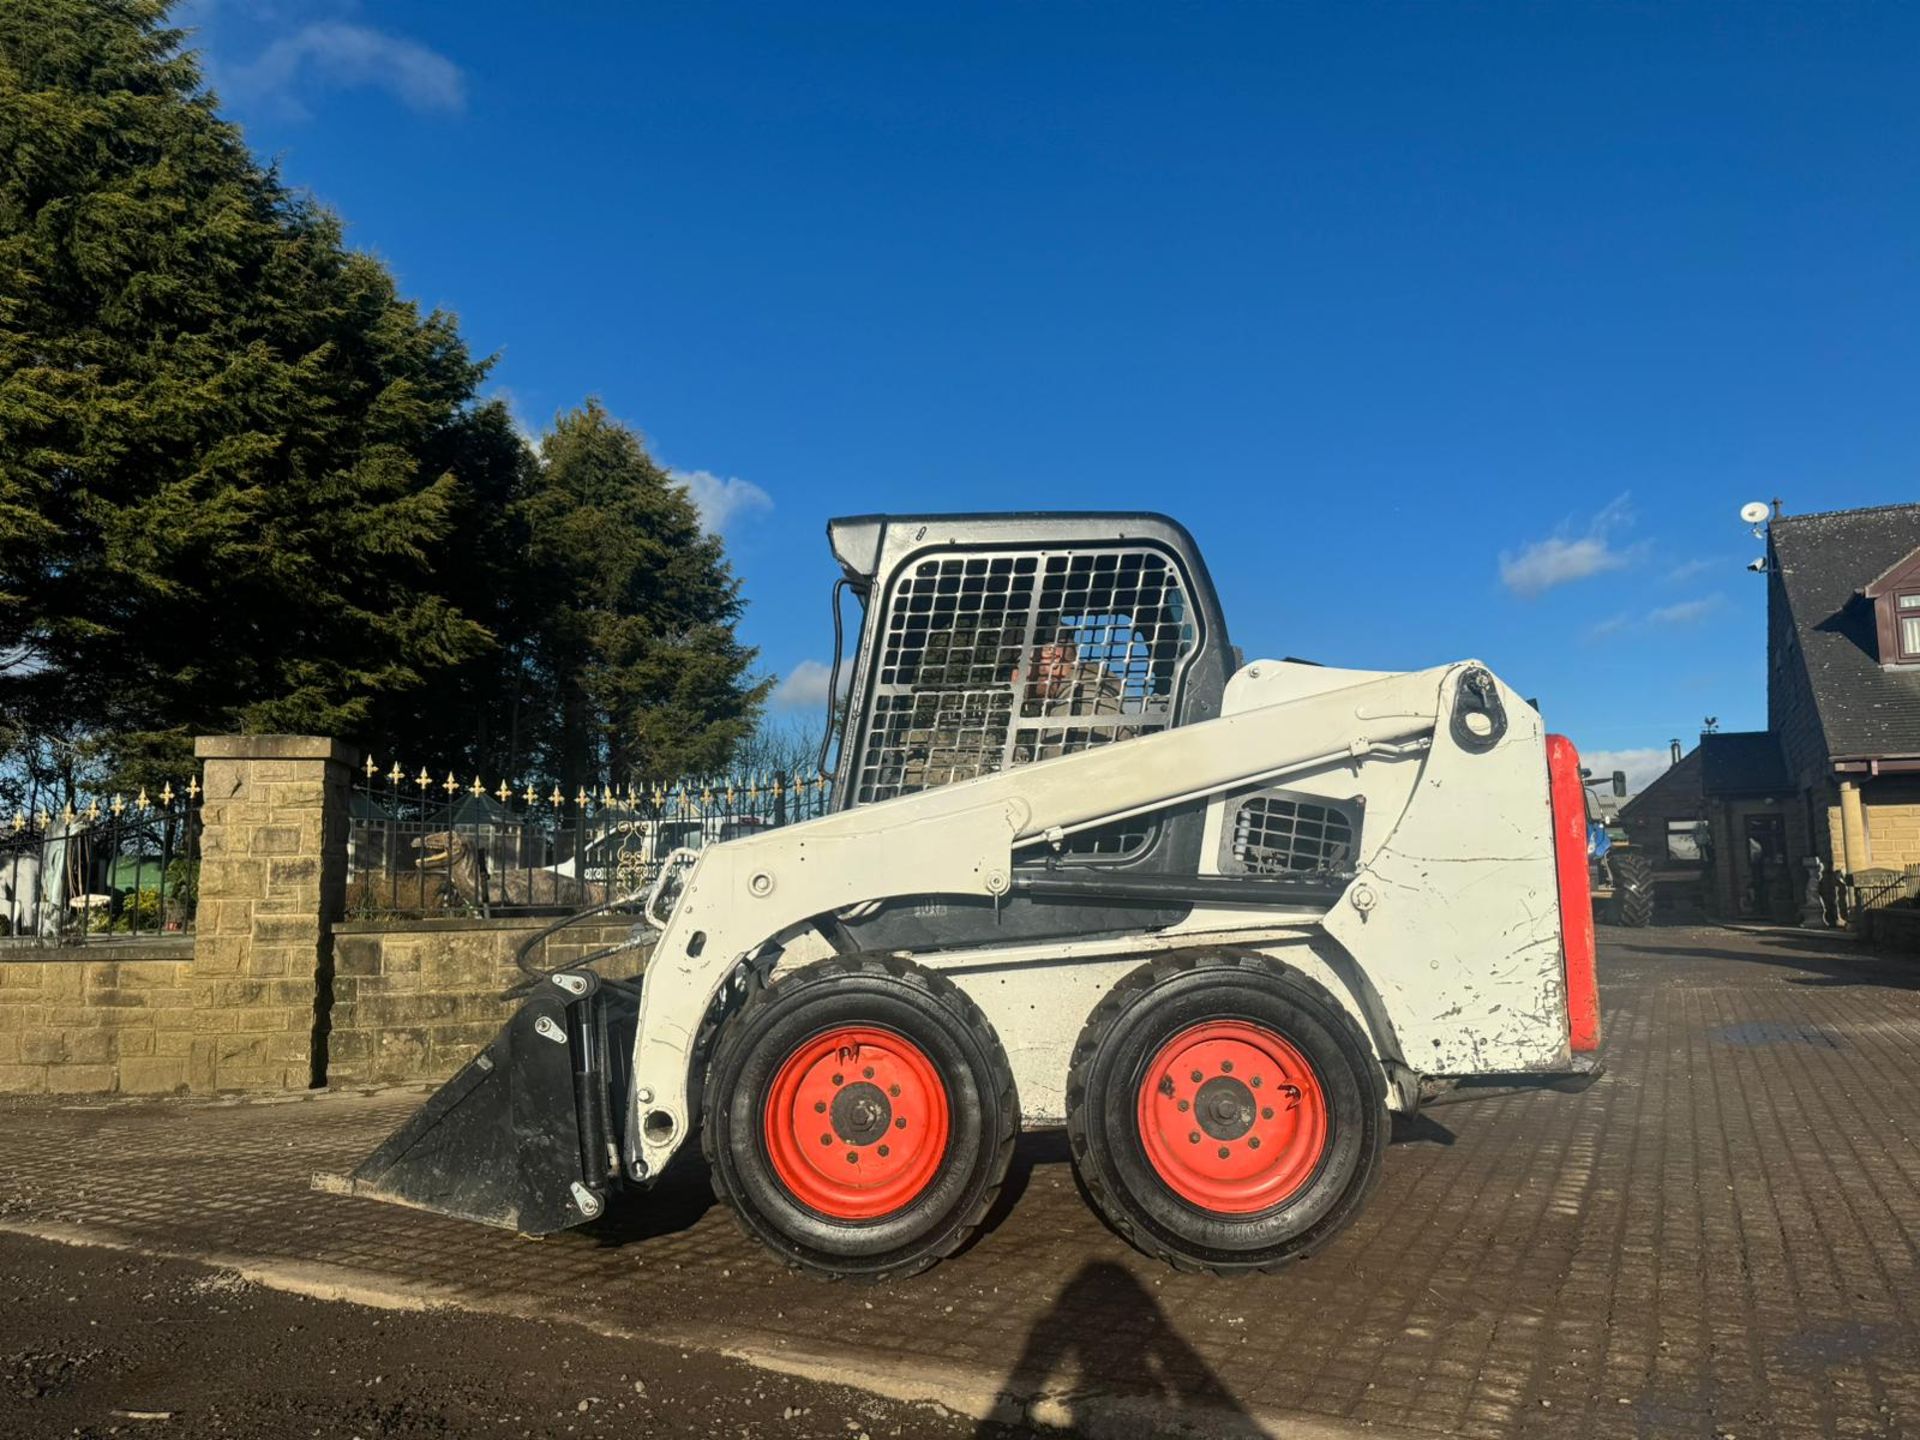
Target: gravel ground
column 98, row 1342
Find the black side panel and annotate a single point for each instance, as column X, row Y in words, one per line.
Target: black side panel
column 953, row 921
column 502, row 1142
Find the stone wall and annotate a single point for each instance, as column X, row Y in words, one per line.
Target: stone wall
column 413, row 1000
column 1891, row 807
column 269, row 993
column 121, row 1017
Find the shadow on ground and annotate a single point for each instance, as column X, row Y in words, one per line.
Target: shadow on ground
column 1105, row 1336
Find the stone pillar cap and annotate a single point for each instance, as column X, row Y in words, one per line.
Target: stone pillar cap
column 273, row 747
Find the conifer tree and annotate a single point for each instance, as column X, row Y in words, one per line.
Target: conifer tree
column 220, row 430
column 637, row 642
column 244, row 484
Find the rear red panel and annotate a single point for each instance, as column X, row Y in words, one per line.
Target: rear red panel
column 1576, row 897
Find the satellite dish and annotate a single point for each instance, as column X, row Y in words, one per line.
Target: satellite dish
column 1754, row 512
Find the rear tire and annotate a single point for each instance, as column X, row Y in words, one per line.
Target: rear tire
column 1251, row 1185
column 1632, row 891
column 859, row 1118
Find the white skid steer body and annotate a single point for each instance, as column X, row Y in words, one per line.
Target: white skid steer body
column 1218, row 935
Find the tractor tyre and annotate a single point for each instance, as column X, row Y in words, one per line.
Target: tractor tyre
column 859, row 1117
column 1224, row 1112
column 1632, row 890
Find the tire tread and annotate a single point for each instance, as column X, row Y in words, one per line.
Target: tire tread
column 939, row 991
column 1127, row 993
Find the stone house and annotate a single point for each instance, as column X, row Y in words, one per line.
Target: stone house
column 1835, row 776
column 1843, row 681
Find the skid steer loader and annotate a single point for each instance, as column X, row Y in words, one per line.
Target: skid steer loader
column 1086, row 869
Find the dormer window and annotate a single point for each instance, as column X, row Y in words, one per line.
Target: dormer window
column 1907, row 619
column 1896, row 611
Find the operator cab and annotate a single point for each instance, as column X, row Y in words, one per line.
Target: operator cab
column 991, row 641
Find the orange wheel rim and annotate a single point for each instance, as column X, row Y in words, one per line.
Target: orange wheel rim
column 1232, row 1117
column 857, row 1121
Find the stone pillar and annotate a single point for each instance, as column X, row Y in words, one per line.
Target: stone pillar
column 1853, row 829
column 273, row 858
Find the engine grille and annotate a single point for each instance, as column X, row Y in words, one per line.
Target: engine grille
column 1276, row 834
column 995, row 659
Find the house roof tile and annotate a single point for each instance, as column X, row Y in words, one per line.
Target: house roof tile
column 1825, row 562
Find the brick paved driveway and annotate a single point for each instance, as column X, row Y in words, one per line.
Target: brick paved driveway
column 1717, row 1238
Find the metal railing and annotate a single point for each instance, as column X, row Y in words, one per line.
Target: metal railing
column 80, row 868
column 421, row 846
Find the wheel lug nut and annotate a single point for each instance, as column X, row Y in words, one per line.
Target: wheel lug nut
column 1266, row 1112
column 901, row 1123
column 884, row 1152
column 1224, row 1152
column 868, row 1072
column 1197, row 1077
column 839, row 1079
column 1256, row 1082
column 1194, row 1138
column 1183, row 1107
column 1254, row 1143
column 826, row 1139
column 853, row 1157
column 819, row 1107
column 894, row 1090
column 1226, row 1067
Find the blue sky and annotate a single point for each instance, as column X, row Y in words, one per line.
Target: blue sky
column 1449, row 329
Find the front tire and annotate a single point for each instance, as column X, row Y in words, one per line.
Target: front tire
column 859, row 1118
column 1632, row 891
column 1225, row 1113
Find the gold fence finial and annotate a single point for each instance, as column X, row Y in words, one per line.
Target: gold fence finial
column 371, row 768
column 193, row 787
column 423, row 779
column 477, row 789
column 140, row 801
column 166, row 793
column 396, row 775
column 450, row 785
column 558, row 797
column 504, row 793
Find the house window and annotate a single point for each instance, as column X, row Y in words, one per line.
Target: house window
column 1907, row 617
column 1683, row 839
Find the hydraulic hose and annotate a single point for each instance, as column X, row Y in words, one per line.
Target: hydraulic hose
column 535, row 975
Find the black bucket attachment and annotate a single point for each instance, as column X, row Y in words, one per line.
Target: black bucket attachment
column 523, row 1137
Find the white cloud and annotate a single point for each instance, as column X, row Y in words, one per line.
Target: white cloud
column 335, row 53
column 805, row 687
column 722, row 500
column 1560, row 559
column 1689, row 569
column 1643, row 767
column 1687, row 611
column 515, row 418
column 1612, row 625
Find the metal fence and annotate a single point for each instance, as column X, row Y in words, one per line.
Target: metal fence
column 421, row 846
column 79, row 868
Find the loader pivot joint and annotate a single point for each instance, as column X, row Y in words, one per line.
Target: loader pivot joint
column 1479, row 719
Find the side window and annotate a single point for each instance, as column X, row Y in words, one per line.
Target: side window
column 988, row 660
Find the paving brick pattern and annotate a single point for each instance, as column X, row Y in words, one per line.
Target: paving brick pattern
column 1718, row 1238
